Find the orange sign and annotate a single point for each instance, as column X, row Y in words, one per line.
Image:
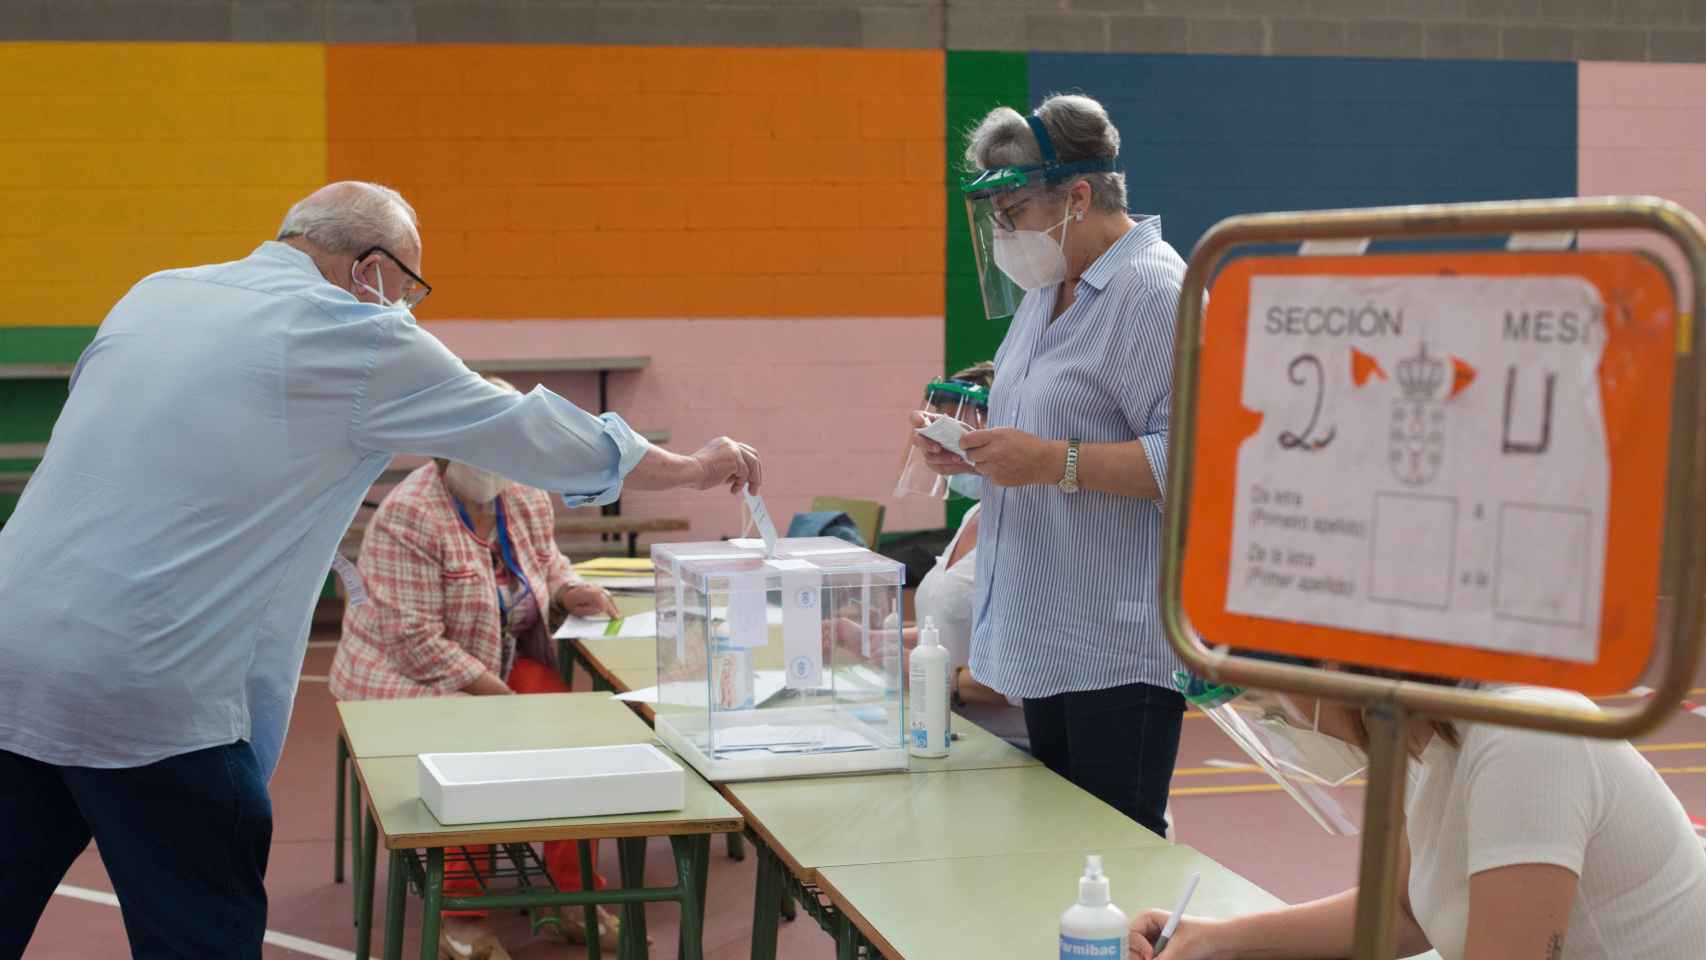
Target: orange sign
column 1450, row 464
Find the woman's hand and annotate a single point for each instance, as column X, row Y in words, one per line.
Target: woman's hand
column 586, row 600
column 487, row 685
column 938, row 458
column 1014, row 458
column 1191, row 941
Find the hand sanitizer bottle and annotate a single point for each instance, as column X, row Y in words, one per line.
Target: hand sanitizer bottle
column 928, row 677
column 1093, row 927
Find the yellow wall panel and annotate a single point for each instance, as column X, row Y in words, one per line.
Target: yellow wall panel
column 124, row 159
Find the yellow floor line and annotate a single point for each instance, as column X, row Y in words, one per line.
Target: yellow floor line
column 1668, row 747
column 1213, row 771
column 1199, row 791
column 1636, row 696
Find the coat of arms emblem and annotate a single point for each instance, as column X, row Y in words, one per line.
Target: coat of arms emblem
column 1418, row 420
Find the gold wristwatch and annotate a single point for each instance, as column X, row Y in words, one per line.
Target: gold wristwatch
column 1069, row 482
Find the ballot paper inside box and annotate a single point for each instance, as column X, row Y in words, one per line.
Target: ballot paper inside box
column 779, row 665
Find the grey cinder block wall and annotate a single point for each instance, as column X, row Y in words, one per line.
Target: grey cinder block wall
column 1631, row 30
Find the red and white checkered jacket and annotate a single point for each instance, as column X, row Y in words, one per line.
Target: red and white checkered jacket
column 430, row 624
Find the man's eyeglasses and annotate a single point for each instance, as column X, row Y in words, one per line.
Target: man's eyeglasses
column 414, row 290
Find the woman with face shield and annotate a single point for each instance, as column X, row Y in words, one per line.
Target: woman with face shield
column 1073, row 457
column 1517, row 843
column 461, row 570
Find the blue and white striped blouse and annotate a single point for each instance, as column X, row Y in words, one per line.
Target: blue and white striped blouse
column 1066, row 584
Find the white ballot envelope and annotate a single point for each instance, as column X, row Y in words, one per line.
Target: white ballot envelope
column 947, row 431
column 761, row 517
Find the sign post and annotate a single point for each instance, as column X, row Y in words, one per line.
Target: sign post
column 1476, row 466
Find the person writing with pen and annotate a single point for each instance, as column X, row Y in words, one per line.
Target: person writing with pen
column 1517, row 844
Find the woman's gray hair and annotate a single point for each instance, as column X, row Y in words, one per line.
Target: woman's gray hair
column 1080, row 130
column 350, row 217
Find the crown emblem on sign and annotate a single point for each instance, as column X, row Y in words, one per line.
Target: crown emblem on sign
column 1420, row 376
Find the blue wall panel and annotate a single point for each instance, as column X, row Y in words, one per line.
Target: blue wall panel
column 1208, row 137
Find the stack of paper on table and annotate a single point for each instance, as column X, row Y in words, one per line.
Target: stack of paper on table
column 628, row 574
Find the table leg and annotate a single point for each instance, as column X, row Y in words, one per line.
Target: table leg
column 766, row 902
column 703, row 865
column 364, row 871
column 846, row 939
column 396, row 905
column 631, row 854
column 594, row 951
column 338, row 815
column 690, row 852
column 737, row 847
column 356, row 851
column 566, row 662
column 433, row 897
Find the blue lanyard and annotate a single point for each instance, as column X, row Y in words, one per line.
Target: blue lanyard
column 505, row 551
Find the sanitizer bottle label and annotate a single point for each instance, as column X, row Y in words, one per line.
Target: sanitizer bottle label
column 1078, row 948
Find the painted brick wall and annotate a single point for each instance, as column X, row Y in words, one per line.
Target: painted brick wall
column 120, row 160
column 1643, row 131
column 977, row 83
column 1208, row 137
column 824, row 399
column 625, row 182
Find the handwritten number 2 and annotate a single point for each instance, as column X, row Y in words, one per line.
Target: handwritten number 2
column 1304, row 440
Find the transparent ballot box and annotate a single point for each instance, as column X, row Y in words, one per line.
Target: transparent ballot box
column 779, row 666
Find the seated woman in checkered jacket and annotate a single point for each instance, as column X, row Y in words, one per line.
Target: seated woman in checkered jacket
column 461, row 568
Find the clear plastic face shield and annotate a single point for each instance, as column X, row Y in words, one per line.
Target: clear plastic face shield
column 1286, row 743
column 962, row 401
column 996, row 201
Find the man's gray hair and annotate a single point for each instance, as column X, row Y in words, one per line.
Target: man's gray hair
column 350, row 217
column 1080, row 130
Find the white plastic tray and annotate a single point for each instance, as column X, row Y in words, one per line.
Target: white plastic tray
column 547, row 784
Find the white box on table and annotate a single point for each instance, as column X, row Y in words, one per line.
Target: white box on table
column 510, row 785
column 779, row 666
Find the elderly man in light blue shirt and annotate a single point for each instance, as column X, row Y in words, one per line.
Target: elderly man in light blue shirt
column 161, row 567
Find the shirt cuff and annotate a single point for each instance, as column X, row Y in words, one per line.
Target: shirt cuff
column 1155, row 448
column 629, row 448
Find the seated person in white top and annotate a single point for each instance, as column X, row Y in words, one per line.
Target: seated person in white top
column 1518, row 845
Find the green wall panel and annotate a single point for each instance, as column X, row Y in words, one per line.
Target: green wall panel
column 43, row 344
column 977, row 83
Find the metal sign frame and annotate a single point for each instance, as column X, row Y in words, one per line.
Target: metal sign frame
column 1392, row 706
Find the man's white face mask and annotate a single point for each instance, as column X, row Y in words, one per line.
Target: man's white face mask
column 379, row 291
column 473, row 484
column 1031, row 258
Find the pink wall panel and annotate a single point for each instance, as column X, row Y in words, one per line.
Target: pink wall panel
column 823, row 399
column 1642, row 130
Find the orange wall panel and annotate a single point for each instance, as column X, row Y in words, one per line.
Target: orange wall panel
column 573, row 182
